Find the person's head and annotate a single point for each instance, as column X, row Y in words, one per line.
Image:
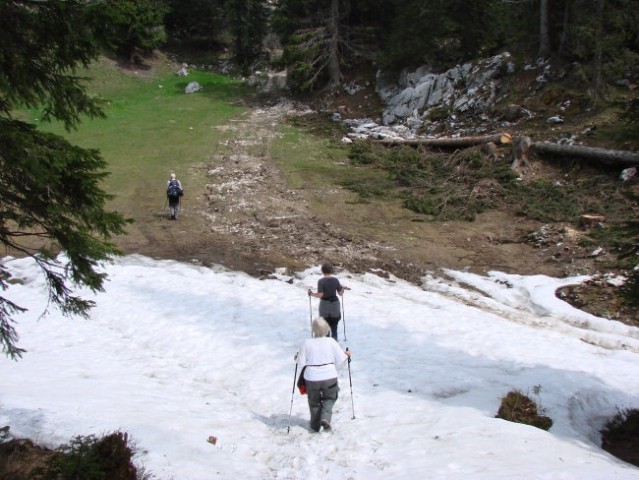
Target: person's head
column 173, row 177
column 327, row 269
column 320, row 327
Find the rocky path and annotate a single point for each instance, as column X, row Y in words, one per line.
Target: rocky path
column 248, row 200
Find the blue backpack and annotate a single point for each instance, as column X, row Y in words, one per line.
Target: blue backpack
column 173, row 190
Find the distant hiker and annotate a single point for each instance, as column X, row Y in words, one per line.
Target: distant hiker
column 174, row 194
column 328, row 287
column 320, row 357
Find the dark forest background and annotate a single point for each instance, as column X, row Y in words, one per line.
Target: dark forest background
column 317, row 40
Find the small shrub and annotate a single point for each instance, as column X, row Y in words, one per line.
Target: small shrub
column 92, row 458
column 366, row 188
column 519, row 408
column 630, row 289
column 361, row 154
column 546, row 201
column 631, row 117
column 438, row 113
column 620, row 436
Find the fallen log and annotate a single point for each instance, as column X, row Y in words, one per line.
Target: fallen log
column 521, row 147
column 602, row 155
column 450, row 142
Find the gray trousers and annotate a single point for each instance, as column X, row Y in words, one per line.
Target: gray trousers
column 332, row 313
column 174, row 208
column 321, row 398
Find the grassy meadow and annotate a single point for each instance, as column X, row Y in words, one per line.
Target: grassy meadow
column 152, row 127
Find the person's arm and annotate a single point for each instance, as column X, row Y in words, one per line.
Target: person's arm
column 301, row 356
column 316, row 295
column 319, row 293
column 340, row 356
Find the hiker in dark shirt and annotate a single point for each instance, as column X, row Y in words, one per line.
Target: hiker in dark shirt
column 328, row 287
column 174, row 193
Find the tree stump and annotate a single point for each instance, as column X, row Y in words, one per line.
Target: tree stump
column 590, row 220
column 520, row 151
column 490, row 150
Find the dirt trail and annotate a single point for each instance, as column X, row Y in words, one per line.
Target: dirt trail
column 241, row 214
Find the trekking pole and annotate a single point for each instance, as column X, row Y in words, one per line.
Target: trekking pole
column 343, row 318
column 292, row 395
column 310, row 313
column 350, row 380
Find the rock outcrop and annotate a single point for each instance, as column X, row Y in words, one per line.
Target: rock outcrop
column 468, row 88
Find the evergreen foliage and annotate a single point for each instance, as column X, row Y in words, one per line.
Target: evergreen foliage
column 630, row 116
column 50, row 195
column 620, row 436
column 247, row 20
column 443, row 32
column 322, row 38
column 304, row 32
column 198, row 23
column 601, row 35
column 133, row 26
column 92, row 458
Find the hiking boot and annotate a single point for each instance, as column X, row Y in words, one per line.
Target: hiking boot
column 325, row 425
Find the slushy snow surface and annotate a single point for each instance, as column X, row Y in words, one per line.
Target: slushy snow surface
column 174, row 353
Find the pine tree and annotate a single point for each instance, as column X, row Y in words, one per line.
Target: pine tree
column 312, row 42
column 442, row 32
column 133, row 26
column 50, row 195
column 322, row 38
column 197, row 23
column 247, row 23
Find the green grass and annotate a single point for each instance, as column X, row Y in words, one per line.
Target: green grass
column 310, row 155
column 152, row 127
column 464, row 184
column 308, row 160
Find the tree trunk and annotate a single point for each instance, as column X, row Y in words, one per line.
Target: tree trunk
column 544, row 39
column 452, row 142
column 565, row 26
column 598, row 61
column 601, row 155
column 522, row 146
column 334, row 70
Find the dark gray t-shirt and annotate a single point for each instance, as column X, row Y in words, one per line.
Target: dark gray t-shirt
column 329, row 286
